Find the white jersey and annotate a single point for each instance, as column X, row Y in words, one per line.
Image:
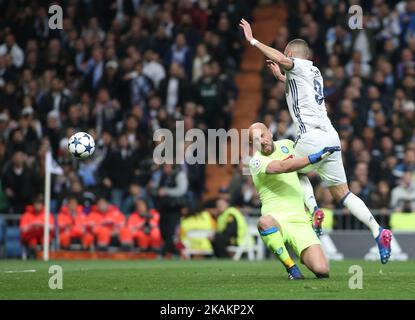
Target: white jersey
column 305, row 97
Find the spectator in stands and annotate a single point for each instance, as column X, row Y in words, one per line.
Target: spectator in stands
column 230, row 37
column 111, row 79
column 197, row 180
column 209, row 96
column 311, row 33
column 380, row 199
column 408, row 163
column 11, row 47
column 53, row 130
column 175, row 89
column 231, row 228
column 361, row 177
column 202, row 56
column 403, row 193
column 250, row 196
column 229, row 91
column 20, row 183
column 31, row 129
column 55, row 99
column 144, row 227
column 153, row 68
column 117, row 170
column 106, row 111
column 169, row 192
column 224, row 193
column 241, row 190
column 235, row 185
column 17, row 143
column 4, row 125
column 32, row 226
column 88, row 173
column 140, row 86
column 72, row 225
column 135, row 193
column 95, row 69
column 181, row 54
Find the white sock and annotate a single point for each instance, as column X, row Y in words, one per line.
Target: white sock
column 309, row 199
column 358, row 208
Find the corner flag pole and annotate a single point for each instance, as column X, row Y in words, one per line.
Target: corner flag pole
column 48, row 164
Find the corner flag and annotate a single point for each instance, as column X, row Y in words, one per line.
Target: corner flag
column 51, row 167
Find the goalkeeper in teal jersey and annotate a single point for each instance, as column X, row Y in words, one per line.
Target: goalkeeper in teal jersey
column 284, row 219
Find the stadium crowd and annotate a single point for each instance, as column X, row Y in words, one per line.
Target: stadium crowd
column 121, row 69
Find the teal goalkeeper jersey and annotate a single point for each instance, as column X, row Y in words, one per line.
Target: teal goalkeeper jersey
column 280, row 194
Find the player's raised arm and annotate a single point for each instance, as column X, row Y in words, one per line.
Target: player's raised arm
column 294, row 164
column 269, row 52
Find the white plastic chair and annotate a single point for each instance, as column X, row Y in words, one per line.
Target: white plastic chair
column 253, row 249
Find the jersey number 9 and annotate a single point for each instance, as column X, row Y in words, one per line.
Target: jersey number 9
column 317, row 88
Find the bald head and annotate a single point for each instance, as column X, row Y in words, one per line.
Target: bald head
column 256, row 126
column 297, row 48
column 261, row 137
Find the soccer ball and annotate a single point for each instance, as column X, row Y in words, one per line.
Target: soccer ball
column 81, row 145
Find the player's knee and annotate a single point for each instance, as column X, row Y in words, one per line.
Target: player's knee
column 322, row 270
column 339, row 192
column 266, row 222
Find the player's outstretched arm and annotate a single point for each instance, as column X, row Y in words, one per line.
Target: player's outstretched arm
column 269, row 52
column 294, row 164
column 278, row 166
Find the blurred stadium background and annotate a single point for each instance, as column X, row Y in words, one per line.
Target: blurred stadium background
column 121, row 69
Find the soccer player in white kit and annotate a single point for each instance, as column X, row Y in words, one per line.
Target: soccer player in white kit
column 305, row 100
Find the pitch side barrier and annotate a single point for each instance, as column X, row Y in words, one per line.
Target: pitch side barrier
column 346, row 237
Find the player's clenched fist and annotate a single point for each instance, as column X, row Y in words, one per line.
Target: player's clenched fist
column 316, row 157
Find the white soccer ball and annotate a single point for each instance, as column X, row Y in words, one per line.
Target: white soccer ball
column 81, row 145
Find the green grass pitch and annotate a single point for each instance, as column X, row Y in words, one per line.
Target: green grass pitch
column 201, row 279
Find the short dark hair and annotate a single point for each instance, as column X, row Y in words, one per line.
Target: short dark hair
column 300, row 46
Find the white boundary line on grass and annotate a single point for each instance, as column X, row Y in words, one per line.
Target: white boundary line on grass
column 19, row 271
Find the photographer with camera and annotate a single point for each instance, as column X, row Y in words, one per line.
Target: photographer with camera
column 144, row 226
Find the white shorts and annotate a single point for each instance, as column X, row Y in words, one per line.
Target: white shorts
column 331, row 169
